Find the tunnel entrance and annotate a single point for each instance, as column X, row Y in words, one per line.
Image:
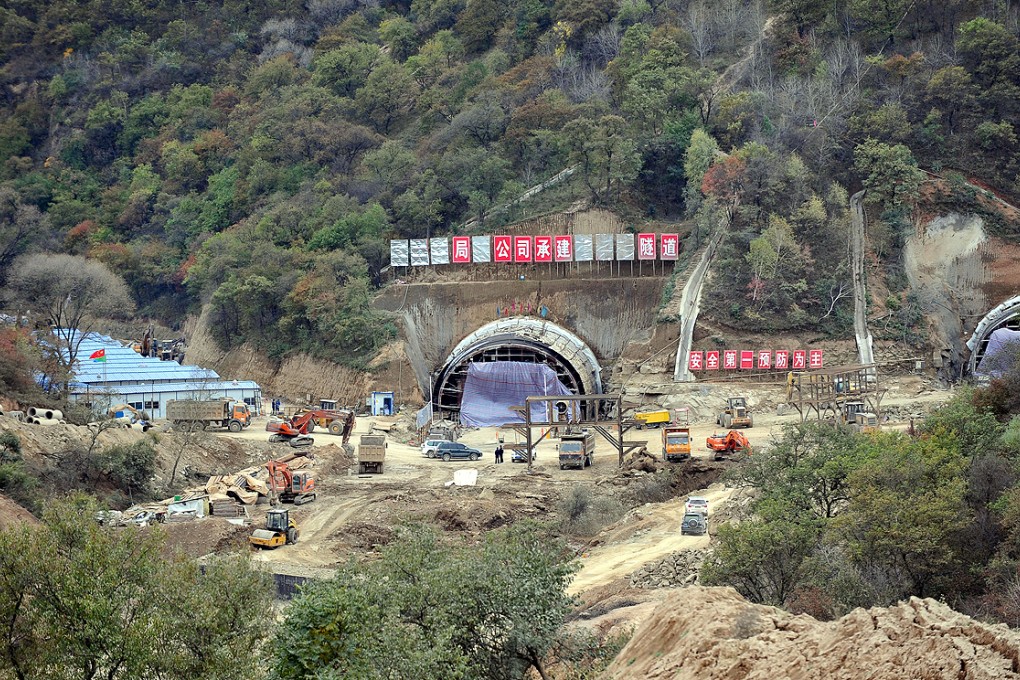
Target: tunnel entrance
column 524, row 340
column 1006, row 315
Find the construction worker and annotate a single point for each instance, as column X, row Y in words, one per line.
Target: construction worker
column 499, row 453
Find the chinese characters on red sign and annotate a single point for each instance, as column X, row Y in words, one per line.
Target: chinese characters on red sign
column 461, row 249
column 780, row 360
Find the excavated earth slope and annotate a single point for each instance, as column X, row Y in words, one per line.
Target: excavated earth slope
column 713, row 633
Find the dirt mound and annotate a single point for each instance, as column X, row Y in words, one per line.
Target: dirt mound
column 11, row 513
column 200, row 537
column 708, row 633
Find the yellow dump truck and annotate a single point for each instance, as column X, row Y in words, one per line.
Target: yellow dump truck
column 652, row 418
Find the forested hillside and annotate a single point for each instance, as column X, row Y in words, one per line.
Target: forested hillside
column 257, row 155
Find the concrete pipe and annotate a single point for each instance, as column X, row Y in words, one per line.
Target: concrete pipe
column 1, row 411
column 53, row 414
column 30, row 420
column 17, row 415
column 33, row 411
column 47, row 421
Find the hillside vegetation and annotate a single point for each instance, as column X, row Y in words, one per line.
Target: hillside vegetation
column 258, row 155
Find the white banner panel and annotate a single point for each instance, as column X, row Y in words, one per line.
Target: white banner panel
column 603, row 247
column 481, row 249
column 582, row 248
column 440, row 249
column 399, row 254
column 625, row 246
column 419, row 252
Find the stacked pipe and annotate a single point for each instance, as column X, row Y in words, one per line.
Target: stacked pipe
column 45, row 413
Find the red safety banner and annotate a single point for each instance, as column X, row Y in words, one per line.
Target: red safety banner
column 646, row 246
column 730, row 359
column 815, row 358
column 782, row 359
column 564, row 248
column 669, row 248
column 461, row 249
column 695, row 361
column 765, row 359
column 746, row 359
column 522, row 249
column 799, row 359
column 712, row 360
column 543, row 249
column 502, row 250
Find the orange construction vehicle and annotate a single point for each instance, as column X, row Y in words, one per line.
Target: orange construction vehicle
column 291, row 487
column 727, row 444
column 676, row 438
column 295, row 430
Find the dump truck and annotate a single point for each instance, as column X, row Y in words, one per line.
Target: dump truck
column 197, row 414
column 371, row 454
column 735, row 414
column 652, row 418
column 676, row 438
column 576, row 449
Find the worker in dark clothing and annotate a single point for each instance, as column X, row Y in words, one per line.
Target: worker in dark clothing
column 499, row 453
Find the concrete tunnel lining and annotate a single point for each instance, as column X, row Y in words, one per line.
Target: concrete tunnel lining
column 522, row 339
column 1004, row 315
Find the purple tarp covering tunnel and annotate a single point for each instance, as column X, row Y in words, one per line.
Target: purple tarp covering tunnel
column 492, row 388
column 1003, row 346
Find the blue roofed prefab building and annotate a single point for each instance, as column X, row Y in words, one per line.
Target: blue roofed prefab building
column 147, row 383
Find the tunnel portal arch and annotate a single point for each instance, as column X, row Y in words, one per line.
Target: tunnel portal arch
column 518, row 339
column 1005, row 315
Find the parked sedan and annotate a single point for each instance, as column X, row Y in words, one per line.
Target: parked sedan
column 451, row 450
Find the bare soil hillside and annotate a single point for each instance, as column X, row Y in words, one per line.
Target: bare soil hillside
column 713, row 633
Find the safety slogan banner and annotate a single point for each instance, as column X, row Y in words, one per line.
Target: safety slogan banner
column 508, row 249
column 762, row 360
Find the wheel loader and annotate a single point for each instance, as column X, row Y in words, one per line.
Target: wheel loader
column 735, row 415
column 280, row 530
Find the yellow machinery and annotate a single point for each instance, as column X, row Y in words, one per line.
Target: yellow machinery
column 855, row 416
column 280, row 530
column 652, row 418
column 736, row 414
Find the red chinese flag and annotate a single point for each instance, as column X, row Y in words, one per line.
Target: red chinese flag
column 730, row 359
column 646, row 246
column 695, row 361
column 543, row 249
column 815, row 358
column 564, row 248
column 799, row 359
column 782, row 359
column 712, row 360
column 746, row 359
column 462, row 250
column 765, row 359
column 522, row 249
column 669, row 248
column 502, row 250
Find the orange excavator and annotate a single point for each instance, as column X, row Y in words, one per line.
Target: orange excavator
column 295, row 430
column 292, row 487
column 728, row 444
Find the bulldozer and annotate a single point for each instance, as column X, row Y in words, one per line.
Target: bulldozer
column 854, row 417
column 280, row 530
column 735, row 415
column 292, row 487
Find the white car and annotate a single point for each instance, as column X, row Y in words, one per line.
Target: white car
column 429, row 446
column 698, row 504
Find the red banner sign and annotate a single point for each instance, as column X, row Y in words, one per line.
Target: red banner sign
column 564, row 248
column 522, row 249
column 782, row 359
column 815, row 358
column 502, row 250
column 695, row 361
column 646, row 246
column 730, row 359
column 669, row 247
column 712, row 360
column 461, row 249
column 765, row 359
column 799, row 359
column 543, row 249
column 746, row 359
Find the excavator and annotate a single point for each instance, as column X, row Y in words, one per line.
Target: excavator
column 728, row 444
column 295, row 430
column 292, row 487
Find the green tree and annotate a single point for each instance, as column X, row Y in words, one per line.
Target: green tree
column 890, row 173
column 387, row 94
column 491, row 611
column 603, row 152
column 399, row 35
column 346, row 69
column 478, row 23
column 85, row 601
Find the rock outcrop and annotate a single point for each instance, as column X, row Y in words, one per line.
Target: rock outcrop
column 713, row 633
